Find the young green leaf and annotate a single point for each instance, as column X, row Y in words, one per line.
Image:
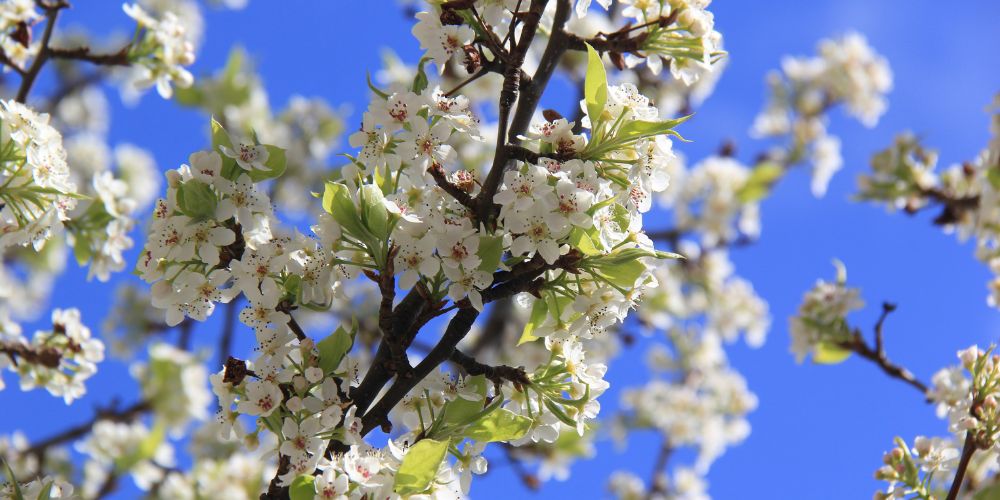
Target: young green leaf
column 595, row 86
column 333, row 348
column 490, row 251
column 420, row 466
column 758, row 185
column 276, row 164
column 302, row 488
column 500, row 425
column 826, row 353
column 539, row 311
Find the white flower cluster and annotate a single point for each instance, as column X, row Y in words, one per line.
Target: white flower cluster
column 118, row 446
column 36, row 190
column 910, row 472
column 211, row 240
column 902, row 175
column 60, row 359
column 967, row 396
column 239, row 476
column 16, row 18
column 704, row 405
column 689, row 45
column 820, row 323
column 173, row 381
column 711, row 199
column 969, row 194
column 847, row 71
column 160, row 51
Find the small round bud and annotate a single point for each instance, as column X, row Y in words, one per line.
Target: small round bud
column 299, row 383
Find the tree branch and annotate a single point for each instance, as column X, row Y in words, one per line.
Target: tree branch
column 118, row 58
column 496, row 374
column 656, row 485
column 877, row 354
column 29, row 76
column 44, row 356
column 968, row 449
column 437, row 172
column 508, row 95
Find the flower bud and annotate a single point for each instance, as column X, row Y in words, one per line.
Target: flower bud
column 969, row 356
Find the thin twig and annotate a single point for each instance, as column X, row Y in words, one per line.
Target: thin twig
column 51, row 15
column 662, row 458
column 877, row 354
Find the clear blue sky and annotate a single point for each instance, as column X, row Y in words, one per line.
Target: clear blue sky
column 820, row 431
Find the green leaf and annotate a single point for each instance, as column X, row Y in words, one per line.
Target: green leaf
column 420, row 466
column 196, row 199
column 758, row 185
column 338, row 203
column 595, row 86
column 373, row 88
column 12, row 480
column 146, row 449
column 460, row 410
column 623, row 274
column 302, row 488
column 490, row 251
column 639, row 129
column 420, row 80
column 333, row 348
column 826, row 353
column 221, row 138
column 374, row 214
column 499, row 425
column 539, row 311
column 276, row 164
column 583, row 241
column 559, row 413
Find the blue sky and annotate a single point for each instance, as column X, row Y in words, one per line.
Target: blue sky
column 820, row 431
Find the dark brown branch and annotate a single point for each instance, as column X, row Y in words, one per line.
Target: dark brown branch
column 528, row 156
column 968, row 449
column 877, row 354
column 496, row 374
column 508, row 95
column 118, row 58
column 656, row 485
column 520, row 279
column 441, row 178
column 274, row 489
column 294, row 326
column 44, row 356
column 29, row 76
column 380, row 371
column 457, row 329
